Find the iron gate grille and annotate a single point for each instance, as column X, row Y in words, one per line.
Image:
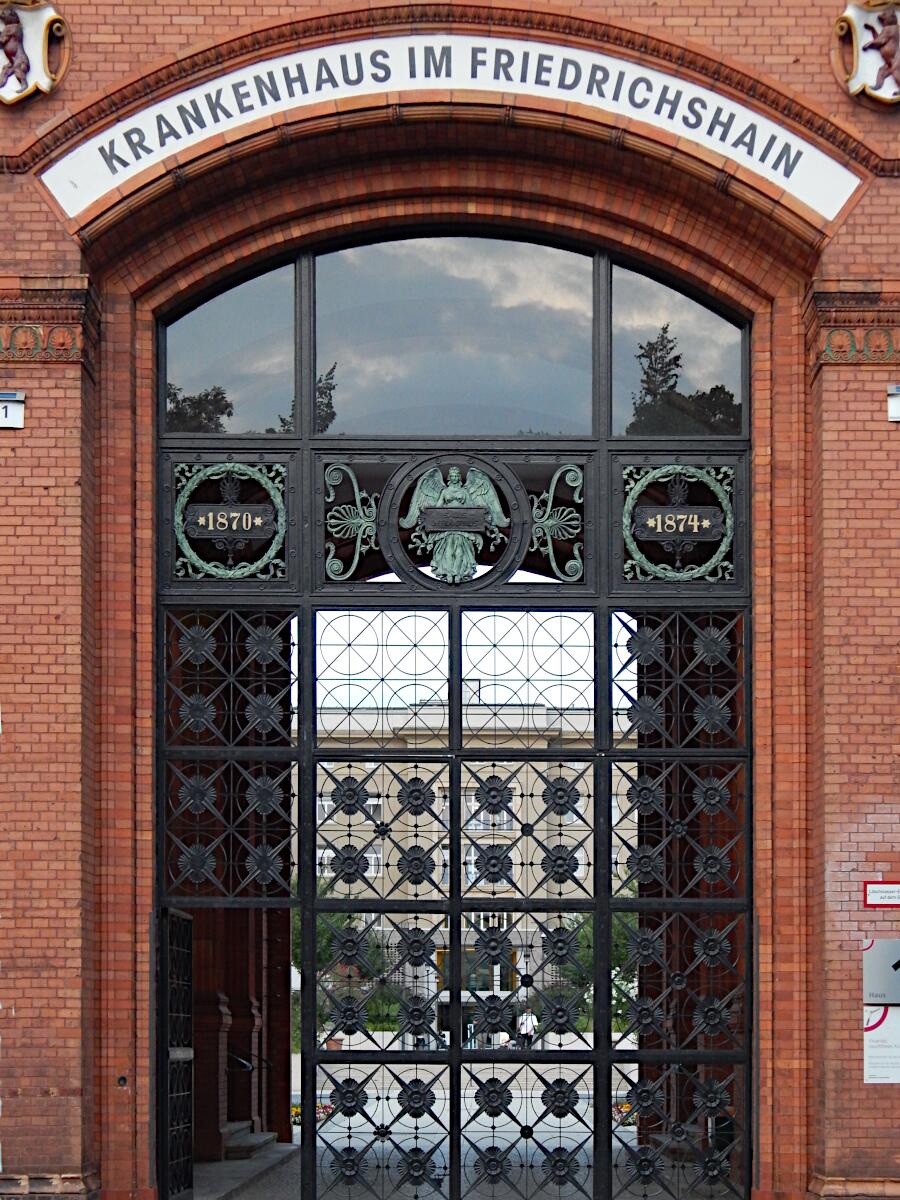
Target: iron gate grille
column 511, row 819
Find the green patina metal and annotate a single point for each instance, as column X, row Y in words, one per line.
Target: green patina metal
column 188, row 477
column 563, row 523
column 719, row 480
column 354, row 521
column 454, row 547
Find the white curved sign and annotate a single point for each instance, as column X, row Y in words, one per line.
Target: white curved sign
column 423, row 62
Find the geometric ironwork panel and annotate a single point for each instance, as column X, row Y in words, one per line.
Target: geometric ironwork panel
column 381, row 677
column 527, row 1131
column 181, row 1126
column 180, row 979
column 533, row 963
column 231, row 678
column 382, row 830
column 379, row 983
column 680, row 986
column 528, row 679
column 678, row 680
column 176, row 1063
column 528, row 830
column 382, row 1132
column 679, row 1130
column 678, row 829
column 231, row 828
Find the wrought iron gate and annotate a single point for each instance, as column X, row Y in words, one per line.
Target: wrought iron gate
column 177, row 1084
column 479, row 714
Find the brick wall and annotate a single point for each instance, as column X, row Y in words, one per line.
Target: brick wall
column 76, row 557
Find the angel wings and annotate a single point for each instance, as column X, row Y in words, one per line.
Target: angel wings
column 454, row 550
column 477, row 492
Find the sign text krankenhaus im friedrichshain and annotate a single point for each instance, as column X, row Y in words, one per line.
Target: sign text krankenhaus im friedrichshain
column 608, row 84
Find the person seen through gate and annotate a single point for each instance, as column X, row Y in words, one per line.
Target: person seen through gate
column 527, row 1026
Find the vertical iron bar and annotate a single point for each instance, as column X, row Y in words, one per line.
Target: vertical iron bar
column 601, row 978
column 455, row 902
column 162, row 1052
column 306, row 801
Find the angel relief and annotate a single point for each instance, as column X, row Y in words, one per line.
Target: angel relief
column 451, row 521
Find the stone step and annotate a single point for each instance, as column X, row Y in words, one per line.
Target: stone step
column 246, row 1145
column 233, row 1128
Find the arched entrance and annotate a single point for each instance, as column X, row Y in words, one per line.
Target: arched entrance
column 449, row 164
column 454, row 712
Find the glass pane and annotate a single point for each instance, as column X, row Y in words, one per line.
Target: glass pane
column 528, row 679
column 381, row 678
column 230, row 362
column 454, row 336
column 676, row 364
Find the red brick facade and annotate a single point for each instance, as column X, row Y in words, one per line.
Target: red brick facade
column 78, row 302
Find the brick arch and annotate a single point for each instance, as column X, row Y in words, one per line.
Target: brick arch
column 498, row 111
column 389, row 178
column 370, row 185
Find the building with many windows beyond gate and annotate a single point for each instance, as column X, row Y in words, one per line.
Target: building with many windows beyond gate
column 449, row 565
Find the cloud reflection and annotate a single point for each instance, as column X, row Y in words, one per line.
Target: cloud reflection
column 457, row 335
column 710, row 346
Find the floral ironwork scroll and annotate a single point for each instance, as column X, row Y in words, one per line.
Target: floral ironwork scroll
column 354, row 522
column 552, row 523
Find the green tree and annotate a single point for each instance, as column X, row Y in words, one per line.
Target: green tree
column 660, row 408
column 325, row 410
column 579, row 972
column 201, row 412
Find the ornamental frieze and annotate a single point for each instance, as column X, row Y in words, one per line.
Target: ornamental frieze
column 41, row 343
column 845, row 345
column 862, row 328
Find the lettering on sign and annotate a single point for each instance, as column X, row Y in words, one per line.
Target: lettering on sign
column 881, row 893
column 241, row 524
column 229, row 536
column 447, row 520
column 616, row 87
column 702, row 524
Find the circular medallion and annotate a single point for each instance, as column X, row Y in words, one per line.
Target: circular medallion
column 454, row 520
column 227, row 524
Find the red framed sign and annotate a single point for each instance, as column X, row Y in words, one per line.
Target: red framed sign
column 881, row 893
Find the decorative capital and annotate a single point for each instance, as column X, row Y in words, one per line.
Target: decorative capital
column 862, row 328
column 50, row 321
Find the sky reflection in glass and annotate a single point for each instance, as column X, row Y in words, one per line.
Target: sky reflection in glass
column 710, row 349
column 456, row 336
column 243, row 342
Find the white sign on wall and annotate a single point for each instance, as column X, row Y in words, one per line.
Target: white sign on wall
column 376, row 66
column 881, row 1044
column 12, row 410
column 881, row 971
